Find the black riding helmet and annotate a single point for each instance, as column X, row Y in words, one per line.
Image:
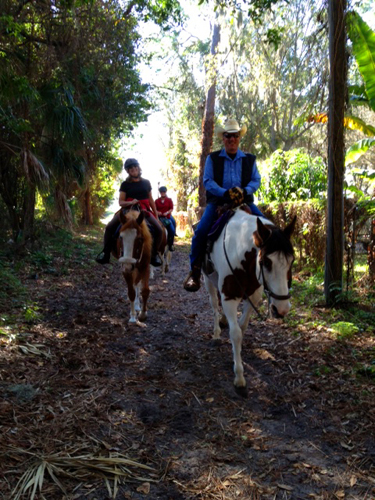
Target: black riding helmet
column 130, row 162
column 162, row 189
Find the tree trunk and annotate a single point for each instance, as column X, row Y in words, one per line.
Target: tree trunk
column 28, row 213
column 209, row 115
column 87, row 206
column 88, row 218
column 337, row 96
column 371, row 253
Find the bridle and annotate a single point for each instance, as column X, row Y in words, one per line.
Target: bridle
column 137, row 260
column 267, row 291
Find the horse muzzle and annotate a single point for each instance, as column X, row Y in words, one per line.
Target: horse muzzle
column 280, row 311
column 127, row 260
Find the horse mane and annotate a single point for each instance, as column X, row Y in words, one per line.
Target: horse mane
column 277, row 242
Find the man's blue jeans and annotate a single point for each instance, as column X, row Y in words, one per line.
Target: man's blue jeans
column 199, row 241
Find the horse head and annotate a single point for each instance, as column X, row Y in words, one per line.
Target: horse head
column 274, row 264
column 132, row 234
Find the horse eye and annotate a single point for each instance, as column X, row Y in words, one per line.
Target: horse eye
column 268, row 263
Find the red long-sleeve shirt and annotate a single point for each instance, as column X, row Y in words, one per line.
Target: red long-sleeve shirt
column 163, row 205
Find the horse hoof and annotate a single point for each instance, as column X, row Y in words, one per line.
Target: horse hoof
column 142, row 316
column 241, row 391
column 215, row 342
column 132, row 321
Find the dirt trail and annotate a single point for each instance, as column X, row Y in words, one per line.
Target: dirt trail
column 164, row 396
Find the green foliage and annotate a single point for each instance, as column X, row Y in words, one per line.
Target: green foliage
column 11, row 289
column 354, row 152
column 322, row 370
column 367, row 371
column 344, row 329
column 31, row 313
column 292, row 175
column 363, row 47
column 363, row 44
column 69, row 85
column 269, row 86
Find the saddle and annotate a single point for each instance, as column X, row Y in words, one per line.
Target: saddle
column 165, row 221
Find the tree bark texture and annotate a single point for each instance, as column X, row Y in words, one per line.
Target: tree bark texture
column 88, row 218
column 336, row 166
column 29, row 213
column 371, row 253
column 209, row 115
column 89, row 221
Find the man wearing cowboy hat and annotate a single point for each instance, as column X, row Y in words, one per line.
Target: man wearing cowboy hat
column 229, row 175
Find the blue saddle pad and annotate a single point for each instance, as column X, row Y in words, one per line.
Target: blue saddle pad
column 219, row 225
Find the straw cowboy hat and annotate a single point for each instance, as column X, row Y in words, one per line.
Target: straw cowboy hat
column 231, row 126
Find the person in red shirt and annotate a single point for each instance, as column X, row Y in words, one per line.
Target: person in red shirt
column 164, row 207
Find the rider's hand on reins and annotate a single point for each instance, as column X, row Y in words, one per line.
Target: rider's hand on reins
column 235, row 196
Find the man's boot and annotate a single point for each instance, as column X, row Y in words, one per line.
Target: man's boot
column 155, row 259
column 103, row 257
column 193, row 281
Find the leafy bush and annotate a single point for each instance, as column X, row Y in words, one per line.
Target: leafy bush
column 344, row 329
column 292, row 175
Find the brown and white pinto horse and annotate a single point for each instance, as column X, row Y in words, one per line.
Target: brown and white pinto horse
column 250, row 255
column 134, row 252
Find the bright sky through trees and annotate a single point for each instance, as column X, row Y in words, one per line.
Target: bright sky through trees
column 151, row 138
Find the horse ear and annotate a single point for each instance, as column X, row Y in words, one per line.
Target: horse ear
column 262, row 234
column 288, row 231
column 122, row 217
column 140, row 217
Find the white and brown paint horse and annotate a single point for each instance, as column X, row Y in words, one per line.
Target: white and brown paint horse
column 250, row 255
column 134, row 252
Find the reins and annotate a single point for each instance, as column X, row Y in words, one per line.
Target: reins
column 269, row 293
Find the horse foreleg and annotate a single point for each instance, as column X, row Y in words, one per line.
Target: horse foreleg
column 137, row 304
column 164, row 262
column 248, row 309
column 131, row 295
column 230, row 311
column 145, row 295
column 212, row 292
column 168, row 259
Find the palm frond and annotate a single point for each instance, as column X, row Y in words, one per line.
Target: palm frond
column 363, row 41
column 116, row 468
column 358, row 149
column 34, row 169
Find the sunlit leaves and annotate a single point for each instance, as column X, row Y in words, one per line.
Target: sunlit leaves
column 292, row 175
column 318, row 118
column 354, row 123
column 358, row 149
column 363, row 42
